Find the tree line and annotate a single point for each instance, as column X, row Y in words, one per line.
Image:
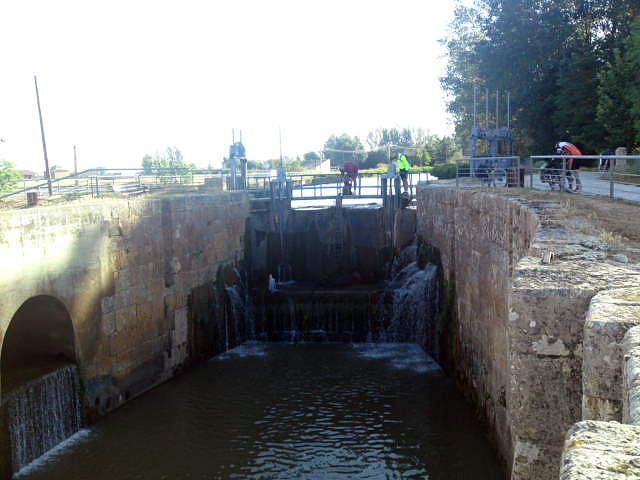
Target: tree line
column 570, row 67
column 423, row 148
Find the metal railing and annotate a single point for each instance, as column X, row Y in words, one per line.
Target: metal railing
column 367, row 185
column 617, row 176
column 620, row 180
column 98, row 183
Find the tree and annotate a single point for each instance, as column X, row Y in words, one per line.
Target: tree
column 8, row 176
column 547, row 53
column 171, row 163
column 340, row 149
column 374, row 139
column 290, row 164
column 311, row 157
column 254, row 165
column 463, row 65
column 619, row 94
column 576, row 102
column 393, row 136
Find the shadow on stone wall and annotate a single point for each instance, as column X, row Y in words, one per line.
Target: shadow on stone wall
column 146, row 283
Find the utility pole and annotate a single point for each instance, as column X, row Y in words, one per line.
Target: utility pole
column 486, row 109
column 475, row 92
column 280, row 139
column 75, row 161
column 497, row 109
column 44, row 144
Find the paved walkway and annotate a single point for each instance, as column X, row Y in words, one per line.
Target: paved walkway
column 594, row 183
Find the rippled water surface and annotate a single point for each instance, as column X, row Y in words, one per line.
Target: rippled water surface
column 280, row 411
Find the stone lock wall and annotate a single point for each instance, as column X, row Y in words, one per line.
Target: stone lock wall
column 535, row 325
column 480, row 239
column 138, row 278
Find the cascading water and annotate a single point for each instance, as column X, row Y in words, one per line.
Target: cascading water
column 404, row 310
column 42, row 413
column 412, row 299
column 241, row 316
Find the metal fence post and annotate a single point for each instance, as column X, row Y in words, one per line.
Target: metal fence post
column 530, row 165
column 457, row 181
column 383, row 190
column 289, row 193
column 564, row 174
column 611, row 184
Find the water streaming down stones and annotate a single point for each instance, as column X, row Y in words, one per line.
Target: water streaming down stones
column 413, row 299
column 401, row 310
column 240, row 319
column 42, row 413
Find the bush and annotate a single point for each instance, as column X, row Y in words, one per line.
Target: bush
column 446, row 170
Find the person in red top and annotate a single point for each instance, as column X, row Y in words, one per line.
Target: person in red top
column 349, row 171
column 573, row 164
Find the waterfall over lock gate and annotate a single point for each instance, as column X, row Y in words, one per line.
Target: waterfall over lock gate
column 42, row 413
column 403, row 310
column 410, row 305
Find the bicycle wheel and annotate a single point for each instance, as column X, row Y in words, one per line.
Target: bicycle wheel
column 500, row 177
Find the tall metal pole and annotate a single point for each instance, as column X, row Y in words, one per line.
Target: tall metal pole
column 44, row 144
column 75, row 161
column 280, row 139
column 508, row 109
column 486, row 108
column 497, row 109
column 475, row 93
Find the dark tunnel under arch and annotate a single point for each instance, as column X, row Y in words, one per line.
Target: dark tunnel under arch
column 40, row 336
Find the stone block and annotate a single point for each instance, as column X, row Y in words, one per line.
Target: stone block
column 125, row 317
column 181, row 327
column 139, row 294
column 545, row 395
column 144, row 314
column 631, row 377
column 611, row 314
column 108, row 304
column 123, row 280
column 531, row 461
column 175, row 301
column 601, row 451
column 108, row 323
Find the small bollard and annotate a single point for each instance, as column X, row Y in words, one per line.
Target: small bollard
column 32, row 199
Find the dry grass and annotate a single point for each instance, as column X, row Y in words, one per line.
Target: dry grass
column 614, row 222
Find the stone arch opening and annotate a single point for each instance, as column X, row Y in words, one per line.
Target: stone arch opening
column 40, row 337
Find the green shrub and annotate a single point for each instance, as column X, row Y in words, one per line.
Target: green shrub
column 447, row 170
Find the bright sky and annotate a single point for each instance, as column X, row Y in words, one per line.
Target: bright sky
column 119, row 79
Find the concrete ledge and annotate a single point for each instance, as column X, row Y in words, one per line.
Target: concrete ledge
column 601, row 451
column 631, row 377
column 611, row 314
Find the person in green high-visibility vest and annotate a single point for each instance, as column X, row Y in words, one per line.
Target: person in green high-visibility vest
column 403, row 166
